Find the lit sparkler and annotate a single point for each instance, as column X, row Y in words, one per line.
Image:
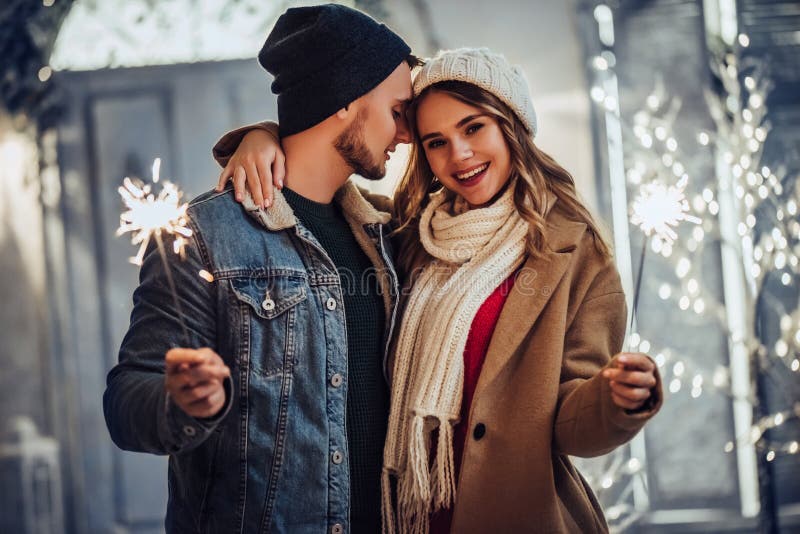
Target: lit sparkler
column 148, row 216
column 658, row 209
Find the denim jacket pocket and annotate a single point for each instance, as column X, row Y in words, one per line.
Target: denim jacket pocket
column 269, row 324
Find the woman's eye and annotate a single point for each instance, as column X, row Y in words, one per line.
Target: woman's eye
column 396, row 114
column 436, row 143
column 472, row 128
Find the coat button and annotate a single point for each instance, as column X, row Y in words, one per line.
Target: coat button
column 479, row 432
column 189, row 430
column 336, row 380
column 268, row 304
column 337, row 529
column 337, row 457
column 331, row 304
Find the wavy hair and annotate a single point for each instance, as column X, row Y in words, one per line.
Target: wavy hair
column 534, row 170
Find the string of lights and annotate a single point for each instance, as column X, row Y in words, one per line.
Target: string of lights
column 660, row 176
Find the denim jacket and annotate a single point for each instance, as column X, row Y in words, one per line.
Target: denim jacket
column 275, row 458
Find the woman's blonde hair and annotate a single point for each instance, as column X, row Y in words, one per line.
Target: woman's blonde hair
column 534, row 170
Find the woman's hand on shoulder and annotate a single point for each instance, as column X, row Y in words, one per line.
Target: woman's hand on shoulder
column 259, row 165
column 632, row 377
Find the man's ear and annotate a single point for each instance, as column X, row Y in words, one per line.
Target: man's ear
column 344, row 113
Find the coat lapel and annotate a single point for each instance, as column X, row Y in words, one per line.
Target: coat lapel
column 536, row 282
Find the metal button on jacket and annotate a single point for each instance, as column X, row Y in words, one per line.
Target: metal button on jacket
column 336, row 380
column 337, row 529
column 268, row 304
column 337, row 457
column 331, row 304
column 189, row 430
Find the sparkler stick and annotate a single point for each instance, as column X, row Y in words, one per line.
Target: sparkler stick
column 147, row 217
column 638, row 286
column 658, row 210
column 163, row 253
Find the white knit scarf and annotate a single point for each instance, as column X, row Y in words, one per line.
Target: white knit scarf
column 475, row 250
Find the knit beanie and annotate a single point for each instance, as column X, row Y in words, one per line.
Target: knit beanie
column 487, row 70
column 324, row 57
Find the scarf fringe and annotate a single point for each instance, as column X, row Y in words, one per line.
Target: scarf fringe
column 413, row 485
column 443, row 479
column 421, row 489
column 387, row 508
column 418, row 487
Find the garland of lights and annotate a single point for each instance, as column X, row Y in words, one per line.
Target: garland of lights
column 657, row 168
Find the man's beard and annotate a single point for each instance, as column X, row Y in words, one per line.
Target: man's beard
column 352, row 146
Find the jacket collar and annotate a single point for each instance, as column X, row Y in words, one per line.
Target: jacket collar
column 280, row 215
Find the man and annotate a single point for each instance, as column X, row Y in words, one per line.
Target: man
column 277, row 423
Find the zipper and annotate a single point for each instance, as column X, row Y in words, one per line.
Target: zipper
column 395, row 303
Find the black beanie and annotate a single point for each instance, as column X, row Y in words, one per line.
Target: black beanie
column 324, row 57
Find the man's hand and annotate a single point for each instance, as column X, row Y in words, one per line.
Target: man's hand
column 631, row 377
column 194, row 381
column 259, row 162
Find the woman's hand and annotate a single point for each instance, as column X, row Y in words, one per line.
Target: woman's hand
column 259, row 162
column 632, row 377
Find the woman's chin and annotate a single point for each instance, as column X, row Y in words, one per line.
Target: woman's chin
column 477, row 201
column 483, row 198
column 487, row 195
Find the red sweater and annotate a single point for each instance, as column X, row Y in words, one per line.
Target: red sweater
column 480, row 333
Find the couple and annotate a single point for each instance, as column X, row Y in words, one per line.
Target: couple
column 337, row 393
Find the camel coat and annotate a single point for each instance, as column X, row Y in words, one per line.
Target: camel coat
column 540, row 397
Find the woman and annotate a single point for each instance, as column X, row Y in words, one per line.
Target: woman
column 505, row 361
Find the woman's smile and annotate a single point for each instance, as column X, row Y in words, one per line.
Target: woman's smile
column 472, row 176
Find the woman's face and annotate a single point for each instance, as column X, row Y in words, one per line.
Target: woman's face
column 464, row 146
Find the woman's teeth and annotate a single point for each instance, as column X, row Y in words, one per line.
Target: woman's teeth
column 473, row 172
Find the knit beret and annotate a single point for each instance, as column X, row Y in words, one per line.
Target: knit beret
column 487, row 70
column 324, row 57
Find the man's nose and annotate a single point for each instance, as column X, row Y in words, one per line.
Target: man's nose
column 403, row 130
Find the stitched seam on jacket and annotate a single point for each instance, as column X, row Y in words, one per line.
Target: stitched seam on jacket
column 244, row 418
column 589, row 299
column 277, row 459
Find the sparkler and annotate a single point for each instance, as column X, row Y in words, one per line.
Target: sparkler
column 658, row 210
column 148, row 216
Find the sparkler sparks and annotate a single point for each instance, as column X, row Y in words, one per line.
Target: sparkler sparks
column 149, row 215
column 660, row 208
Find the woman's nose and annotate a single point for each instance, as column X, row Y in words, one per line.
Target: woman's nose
column 461, row 150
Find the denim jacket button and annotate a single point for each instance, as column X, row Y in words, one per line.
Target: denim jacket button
column 337, row 457
column 268, row 304
column 337, row 529
column 331, row 304
column 189, row 430
column 336, row 380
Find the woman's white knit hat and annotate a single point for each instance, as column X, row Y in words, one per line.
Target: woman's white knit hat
column 487, row 70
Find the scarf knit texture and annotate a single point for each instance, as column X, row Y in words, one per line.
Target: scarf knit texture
column 474, row 251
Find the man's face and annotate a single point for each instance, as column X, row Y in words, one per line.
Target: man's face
column 379, row 126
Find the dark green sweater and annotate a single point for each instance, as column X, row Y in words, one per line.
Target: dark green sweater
column 367, row 392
